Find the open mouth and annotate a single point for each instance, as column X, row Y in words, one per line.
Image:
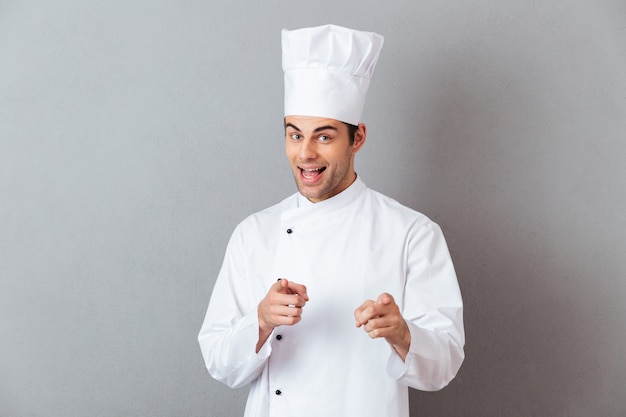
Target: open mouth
column 311, row 173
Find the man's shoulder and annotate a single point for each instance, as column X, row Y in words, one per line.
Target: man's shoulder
column 383, row 203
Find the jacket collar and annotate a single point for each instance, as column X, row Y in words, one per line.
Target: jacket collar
column 340, row 200
column 306, row 211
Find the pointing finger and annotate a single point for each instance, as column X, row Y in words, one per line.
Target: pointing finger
column 290, row 287
column 385, row 299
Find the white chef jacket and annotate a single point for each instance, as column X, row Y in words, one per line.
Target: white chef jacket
column 345, row 250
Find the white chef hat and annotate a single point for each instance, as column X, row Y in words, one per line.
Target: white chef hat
column 328, row 70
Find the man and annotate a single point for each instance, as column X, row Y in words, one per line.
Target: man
column 300, row 278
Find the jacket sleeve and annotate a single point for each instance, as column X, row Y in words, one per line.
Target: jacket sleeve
column 230, row 330
column 433, row 309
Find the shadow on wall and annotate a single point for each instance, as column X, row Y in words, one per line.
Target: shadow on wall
column 537, row 290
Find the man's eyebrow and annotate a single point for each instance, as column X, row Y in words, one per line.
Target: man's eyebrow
column 316, row 130
column 328, row 127
column 292, row 126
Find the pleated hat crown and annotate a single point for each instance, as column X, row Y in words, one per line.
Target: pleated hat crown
column 328, row 71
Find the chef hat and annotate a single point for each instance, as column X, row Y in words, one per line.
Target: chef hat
column 328, row 70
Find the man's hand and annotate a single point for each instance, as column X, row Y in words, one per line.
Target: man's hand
column 282, row 306
column 382, row 318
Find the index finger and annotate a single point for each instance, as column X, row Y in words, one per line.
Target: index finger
column 385, row 298
column 293, row 288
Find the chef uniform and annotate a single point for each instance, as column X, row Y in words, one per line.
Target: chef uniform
column 345, row 249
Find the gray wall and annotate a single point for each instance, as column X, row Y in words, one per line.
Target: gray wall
column 135, row 135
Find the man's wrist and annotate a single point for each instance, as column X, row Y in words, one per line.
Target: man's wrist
column 402, row 349
column 263, row 336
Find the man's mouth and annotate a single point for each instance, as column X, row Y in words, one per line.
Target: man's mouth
column 311, row 173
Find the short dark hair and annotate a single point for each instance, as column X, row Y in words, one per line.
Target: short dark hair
column 351, row 131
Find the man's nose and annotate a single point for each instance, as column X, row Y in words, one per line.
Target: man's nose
column 307, row 149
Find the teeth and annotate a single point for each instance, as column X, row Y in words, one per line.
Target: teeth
column 310, row 172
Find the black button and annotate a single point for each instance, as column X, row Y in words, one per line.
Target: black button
column 289, row 231
column 278, row 392
column 279, row 337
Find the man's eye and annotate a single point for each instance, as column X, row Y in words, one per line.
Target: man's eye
column 324, row 138
column 296, row 136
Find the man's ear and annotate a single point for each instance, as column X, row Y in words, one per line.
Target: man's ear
column 359, row 137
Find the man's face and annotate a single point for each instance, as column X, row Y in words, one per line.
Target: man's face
column 321, row 155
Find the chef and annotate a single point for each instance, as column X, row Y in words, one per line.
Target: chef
column 337, row 299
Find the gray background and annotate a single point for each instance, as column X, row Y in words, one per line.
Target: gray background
column 135, row 135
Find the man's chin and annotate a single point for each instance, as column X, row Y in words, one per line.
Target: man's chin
column 311, row 193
